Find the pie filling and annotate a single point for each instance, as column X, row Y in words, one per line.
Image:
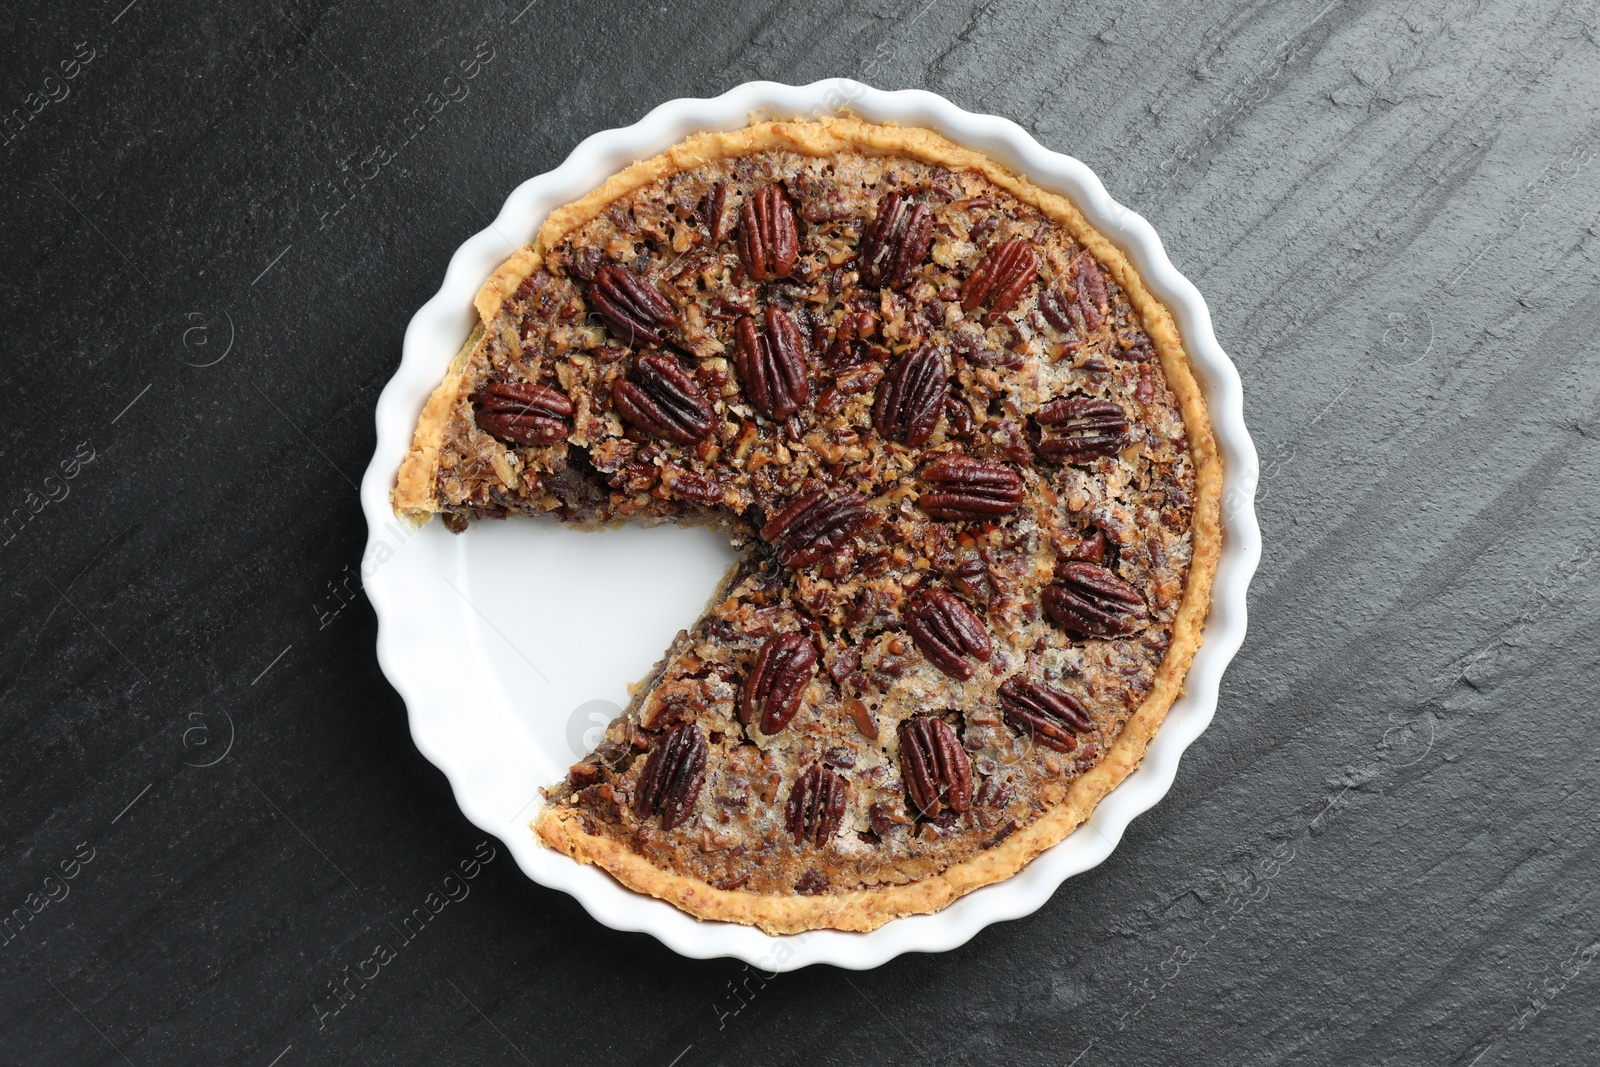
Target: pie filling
column 963, row 483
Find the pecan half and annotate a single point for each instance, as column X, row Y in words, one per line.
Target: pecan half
column 1001, row 277
column 709, row 210
column 911, row 398
column 772, row 364
column 966, row 489
column 1084, row 428
column 816, row 806
column 523, row 412
column 1092, row 602
column 1056, row 306
column 659, row 397
column 672, row 776
column 1082, row 305
column 895, row 243
column 776, row 682
column 769, row 242
column 1090, row 284
column 947, row 632
column 631, row 306
column 817, row 523
column 1044, row 713
column 936, row 769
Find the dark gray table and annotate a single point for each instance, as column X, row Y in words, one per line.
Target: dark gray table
column 1383, row 850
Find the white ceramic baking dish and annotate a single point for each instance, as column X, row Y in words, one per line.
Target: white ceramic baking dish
column 507, row 643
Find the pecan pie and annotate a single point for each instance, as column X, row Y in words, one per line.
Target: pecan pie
column 963, row 448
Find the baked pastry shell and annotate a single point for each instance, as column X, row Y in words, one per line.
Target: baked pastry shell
column 460, row 718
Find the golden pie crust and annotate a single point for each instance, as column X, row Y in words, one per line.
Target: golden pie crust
column 867, row 909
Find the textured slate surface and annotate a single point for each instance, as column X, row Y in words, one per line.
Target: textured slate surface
column 1383, row 851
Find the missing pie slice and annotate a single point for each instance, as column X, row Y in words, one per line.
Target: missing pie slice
column 964, row 450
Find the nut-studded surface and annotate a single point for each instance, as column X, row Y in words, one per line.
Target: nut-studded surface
column 963, row 442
